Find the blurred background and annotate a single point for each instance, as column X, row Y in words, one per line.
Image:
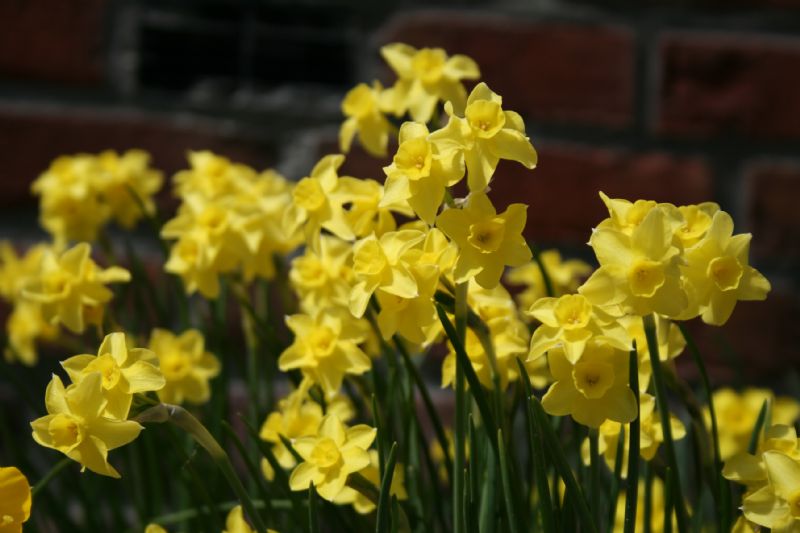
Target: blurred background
column 682, row 101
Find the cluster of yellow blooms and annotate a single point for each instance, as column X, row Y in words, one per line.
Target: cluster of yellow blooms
column 377, row 259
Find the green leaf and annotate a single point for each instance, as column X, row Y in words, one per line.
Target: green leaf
column 632, row 484
column 384, row 501
column 505, row 475
column 755, row 437
column 313, row 513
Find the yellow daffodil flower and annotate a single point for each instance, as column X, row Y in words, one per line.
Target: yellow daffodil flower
column 777, row 504
column 420, row 172
column 487, row 242
column 71, row 208
column 127, row 184
column 594, row 389
column 737, row 414
column 570, row 321
column 638, row 272
column 76, row 426
column 485, row 135
column 718, row 274
column 381, row 263
column 426, row 76
column 71, row 288
column 15, row 499
column 317, row 203
column 369, row 212
column 186, row 365
column 749, row 470
column 325, row 348
column 235, row 522
column 124, row 371
column 363, row 109
column 299, row 416
column 323, row 279
column 211, row 176
column 695, row 222
column 565, row 277
column 651, row 435
column 330, row 456
column 26, row 326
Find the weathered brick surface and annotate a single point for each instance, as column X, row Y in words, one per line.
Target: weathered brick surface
column 35, row 139
column 562, row 191
column 773, row 196
column 726, row 83
column 550, row 71
column 52, row 40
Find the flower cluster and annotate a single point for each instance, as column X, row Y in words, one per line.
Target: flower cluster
column 80, row 194
column 89, row 418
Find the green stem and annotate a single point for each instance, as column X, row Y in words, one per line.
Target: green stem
column 663, row 411
column 594, row 472
column 181, row 418
column 461, row 411
column 57, row 469
column 632, row 483
column 186, row 514
column 548, row 282
column 722, row 489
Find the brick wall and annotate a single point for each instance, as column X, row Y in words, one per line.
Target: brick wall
column 677, row 101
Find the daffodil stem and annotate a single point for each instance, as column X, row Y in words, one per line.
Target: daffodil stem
column 181, row 418
column 461, row 411
column 722, row 491
column 632, row 483
column 594, row 472
column 546, row 280
column 55, row 471
column 663, row 411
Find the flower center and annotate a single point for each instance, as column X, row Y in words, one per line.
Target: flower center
column 212, row 218
column 309, row 272
column 414, row 157
column 108, row 369
column 309, row 195
column 593, row 378
column 325, row 453
column 726, row 272
column 188, row 251
column 55, row 283
column 323, row 341
column 646, row 277
column 573, row 311
column 65, row 430
column 487, row 235
column 174, row 365
column 485, row 118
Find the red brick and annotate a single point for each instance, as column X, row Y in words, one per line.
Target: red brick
column 549, row 71
column 726, row 84
column 40, row 137
column 562, row 191
column 773, row 196
column 52, row 40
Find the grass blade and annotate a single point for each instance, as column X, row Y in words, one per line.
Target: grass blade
column 632, row 483
column 508, row 493
column 755, row 437
column 384, row 500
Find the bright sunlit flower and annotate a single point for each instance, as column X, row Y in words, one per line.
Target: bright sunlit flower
column 718, row 274
column 639, row 272
column 487, row 241
column 77, row 427
column 71, row 287
column 15, row 499
column 329, row 457
column 426, row 76
column 594, row 389
column 570, row 321
column 124, row 371
column 185, row 364
column 325, row 348
column 485, row 135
